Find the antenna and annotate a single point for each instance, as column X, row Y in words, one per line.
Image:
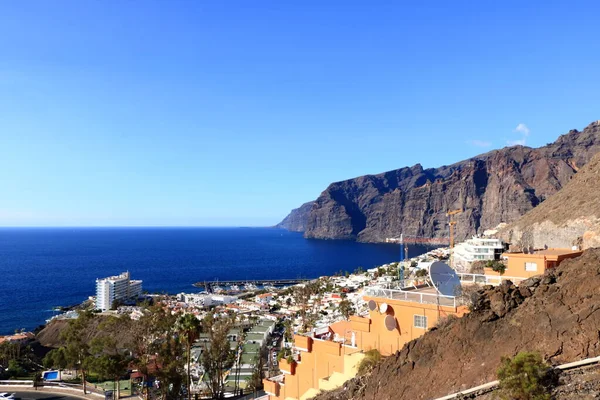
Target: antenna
column 401, row 268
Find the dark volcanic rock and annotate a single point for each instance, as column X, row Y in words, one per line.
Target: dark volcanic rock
column 558, row 317
column 297, row 218
column 491, row 188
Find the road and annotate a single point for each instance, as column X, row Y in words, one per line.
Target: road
column 43, row 395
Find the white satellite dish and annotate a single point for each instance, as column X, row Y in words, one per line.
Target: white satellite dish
column 383, row 308
column 444, row 279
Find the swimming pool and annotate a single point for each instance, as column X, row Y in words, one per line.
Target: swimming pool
column 50, row 376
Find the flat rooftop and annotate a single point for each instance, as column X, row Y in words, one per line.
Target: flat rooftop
column 546, row 252
column 423, row 295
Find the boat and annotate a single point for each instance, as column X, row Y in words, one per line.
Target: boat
column 234, row 288
column 250, row 286
column 218, row 289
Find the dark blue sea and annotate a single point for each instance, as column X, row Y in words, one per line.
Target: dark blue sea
column 41, row 268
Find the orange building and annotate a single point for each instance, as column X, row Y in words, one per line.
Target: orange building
column 395, row 318
column 526, row 265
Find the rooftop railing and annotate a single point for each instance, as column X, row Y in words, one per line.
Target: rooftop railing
column 412, row 296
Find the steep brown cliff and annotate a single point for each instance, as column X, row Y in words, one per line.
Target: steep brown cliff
column 297, row 218
column 570, row 217
column 499, row 186
column 556, row 315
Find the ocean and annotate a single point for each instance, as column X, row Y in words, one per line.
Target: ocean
column 41, row 268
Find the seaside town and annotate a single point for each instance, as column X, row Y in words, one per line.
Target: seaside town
column 288, row 342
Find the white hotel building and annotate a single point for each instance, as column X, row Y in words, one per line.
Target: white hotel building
column 119, row 287
column 477, row 249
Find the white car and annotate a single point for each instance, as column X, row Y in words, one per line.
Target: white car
column 7, row 396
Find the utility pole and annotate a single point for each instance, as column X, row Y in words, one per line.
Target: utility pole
column 452, row 222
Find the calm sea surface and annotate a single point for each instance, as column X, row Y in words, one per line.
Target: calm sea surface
column 41, row 268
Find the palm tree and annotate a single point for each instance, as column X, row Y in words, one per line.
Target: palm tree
column 189, row 327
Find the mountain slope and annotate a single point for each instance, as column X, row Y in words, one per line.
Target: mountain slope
column 556, row 315
column 297, row 218
column 570, row 217
column 499, row 186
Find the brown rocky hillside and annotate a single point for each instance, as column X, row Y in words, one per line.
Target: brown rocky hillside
column 570, row 217
column 557, row 315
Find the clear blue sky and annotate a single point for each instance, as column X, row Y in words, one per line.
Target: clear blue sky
column 234, row 112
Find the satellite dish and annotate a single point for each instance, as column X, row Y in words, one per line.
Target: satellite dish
column 444, row 279
column 372, row 305
column 390, row 323
column 383, row 308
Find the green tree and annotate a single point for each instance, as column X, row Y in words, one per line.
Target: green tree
column 218, row 357
column 525, row 377
column 157, row 348
column 189, row 326
column 14, row 369
column 497, row 266
column 56, row 358
column 346, row 308
column 109, row 360
column 77, row 336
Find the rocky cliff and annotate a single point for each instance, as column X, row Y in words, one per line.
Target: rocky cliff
column 297, row 218
column 555, row 315
column 499, row 186
column 570, row 217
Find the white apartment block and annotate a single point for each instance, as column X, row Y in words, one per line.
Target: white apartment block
column 119, row 287
column 477, row 249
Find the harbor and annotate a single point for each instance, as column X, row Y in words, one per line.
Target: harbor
column 239, row 285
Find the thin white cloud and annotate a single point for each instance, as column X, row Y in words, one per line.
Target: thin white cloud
column 479, row 143
column 524, row 131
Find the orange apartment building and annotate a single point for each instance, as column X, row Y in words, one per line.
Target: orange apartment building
column 526, row 265
column 326, row 361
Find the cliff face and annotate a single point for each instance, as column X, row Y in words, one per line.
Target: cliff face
column 570, row 217
column 555, row 315
column 297, row 218
column 499, row 186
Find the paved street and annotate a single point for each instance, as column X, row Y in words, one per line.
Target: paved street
column 43, row 395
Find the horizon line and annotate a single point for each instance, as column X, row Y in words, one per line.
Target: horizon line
column 132, row 226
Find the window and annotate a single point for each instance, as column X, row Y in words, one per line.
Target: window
column 530, row 266
column 420, row 321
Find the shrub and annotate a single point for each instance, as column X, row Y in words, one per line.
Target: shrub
column 366, row 365
column 525, row 377
column 497, row 266
column 421, row 273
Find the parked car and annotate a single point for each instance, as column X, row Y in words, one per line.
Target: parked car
column 8, row 396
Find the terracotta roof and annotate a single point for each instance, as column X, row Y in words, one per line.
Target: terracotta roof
column 340, row 327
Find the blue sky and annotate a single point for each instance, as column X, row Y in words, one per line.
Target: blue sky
column 234, row 112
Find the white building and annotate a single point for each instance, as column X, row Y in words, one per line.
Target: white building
column 477, row 249
column 119, row 287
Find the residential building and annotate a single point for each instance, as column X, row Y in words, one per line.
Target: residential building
column 537, row 262
column 476, row 249
column 120, row 287
column 326, row 358
column 264, row 298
